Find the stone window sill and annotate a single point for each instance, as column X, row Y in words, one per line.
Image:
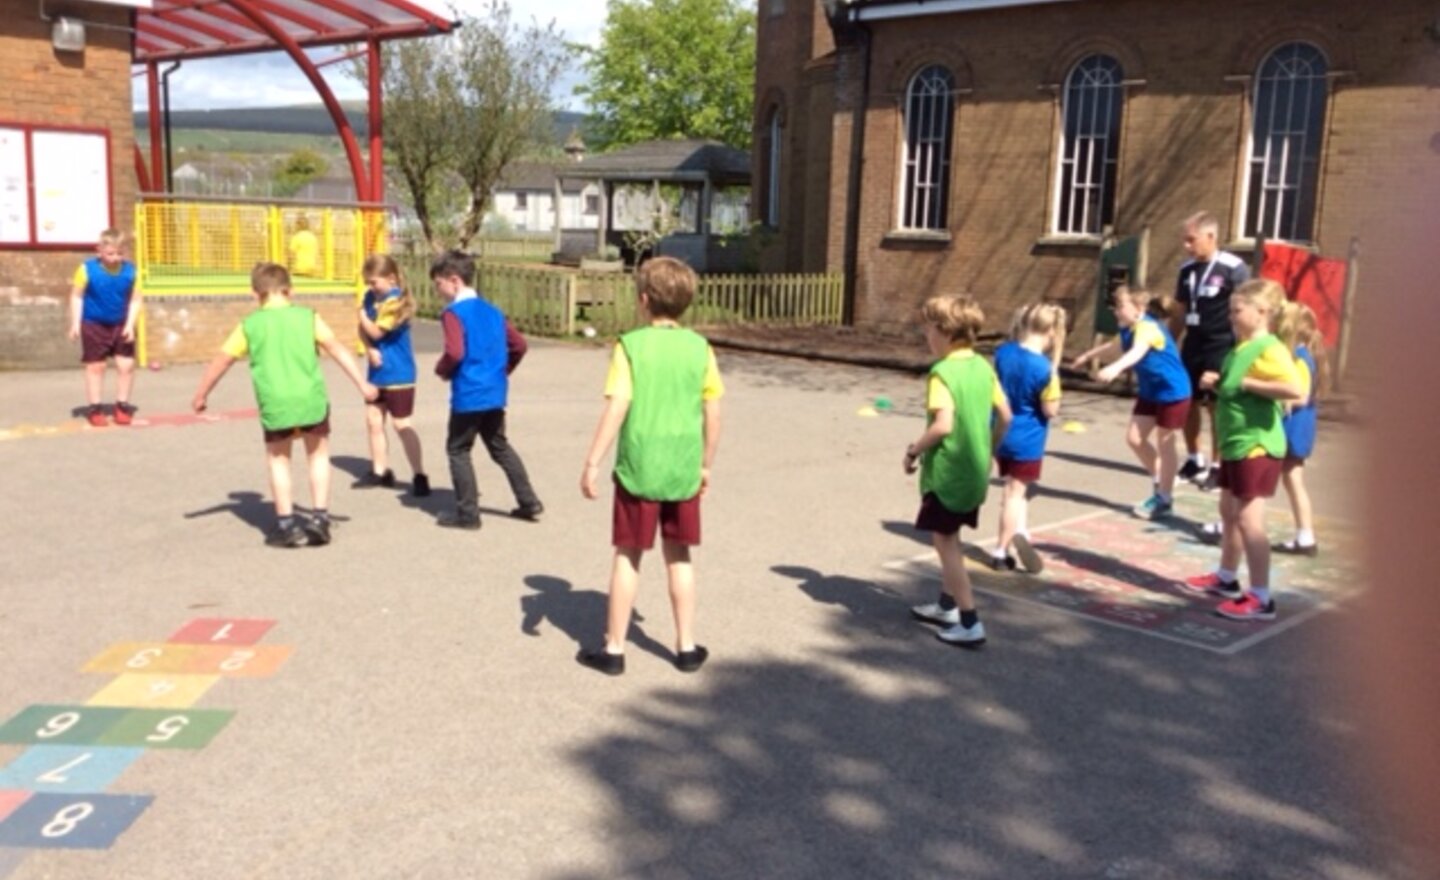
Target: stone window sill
column 917, row 238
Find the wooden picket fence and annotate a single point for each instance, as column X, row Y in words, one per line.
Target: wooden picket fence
column 559, row 302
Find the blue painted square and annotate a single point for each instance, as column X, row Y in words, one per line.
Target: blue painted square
column 72, row 821
column 67, row 768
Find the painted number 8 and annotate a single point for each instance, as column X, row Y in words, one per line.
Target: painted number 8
column 66, row 820
column 58, row 725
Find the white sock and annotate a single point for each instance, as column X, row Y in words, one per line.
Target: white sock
column 1262, row 593
column 1227, row 575
column 998, row 553
column 1305, row 537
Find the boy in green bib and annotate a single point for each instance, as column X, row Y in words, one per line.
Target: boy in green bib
column 1255, row 378
column 967, row 415
column 663, row 401
column 281, row 339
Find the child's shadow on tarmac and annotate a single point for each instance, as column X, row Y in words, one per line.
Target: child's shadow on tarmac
column 577, row 614
column 252, row 509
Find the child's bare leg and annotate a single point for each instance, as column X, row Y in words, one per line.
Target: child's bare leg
column 1169, row 461
column 375, row 433
column 94, row 382
column 624, row 578
column 1137, row 437
column 1250, row 517
column 124, row 378
column 1012, row 514
column 682, row 593
column 317, row 451
column 277, row 456
column 1231, row 543
column 1193, row 425
column 1300, row 501
column 952, row 569
column 410, row 440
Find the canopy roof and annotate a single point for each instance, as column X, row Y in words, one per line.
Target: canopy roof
column 667, row 160
column 174, row 29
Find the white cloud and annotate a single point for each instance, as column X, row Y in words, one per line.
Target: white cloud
column 273, row 79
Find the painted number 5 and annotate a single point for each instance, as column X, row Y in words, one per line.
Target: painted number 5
column 166, row 730
column 66, row 820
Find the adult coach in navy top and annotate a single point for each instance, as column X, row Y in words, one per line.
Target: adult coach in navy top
column 1201, row 316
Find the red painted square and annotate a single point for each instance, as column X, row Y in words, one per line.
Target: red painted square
column 9, row 800
column 222, row 631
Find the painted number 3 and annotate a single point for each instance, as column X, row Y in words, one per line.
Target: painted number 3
column 66, row 820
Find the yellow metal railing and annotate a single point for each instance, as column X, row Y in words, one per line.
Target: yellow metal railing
column 196, row 246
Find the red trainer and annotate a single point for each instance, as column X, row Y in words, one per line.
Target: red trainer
column 123, row 414
column 1212, row 585
column 1247, row 607
column 96, row 417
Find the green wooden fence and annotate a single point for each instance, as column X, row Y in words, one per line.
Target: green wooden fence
column 558, row 302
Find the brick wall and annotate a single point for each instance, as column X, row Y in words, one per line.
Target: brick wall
column 1185, row 126
column 189, row 329
column 90, row 89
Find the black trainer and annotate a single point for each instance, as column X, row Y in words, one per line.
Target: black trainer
column 290, row 536
column 603, row 661
column 1211, row 481
column 689, row 661
column 531, row 512
column 456, row 521
column 317, row 530
column 420, row 486
column 998, row 564
column 373, row 480
column 1189, row 469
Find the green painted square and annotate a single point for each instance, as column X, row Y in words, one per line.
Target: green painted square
column 167, row 728
column 60, row 725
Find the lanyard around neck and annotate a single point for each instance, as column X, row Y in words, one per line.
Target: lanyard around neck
column 1197, row 280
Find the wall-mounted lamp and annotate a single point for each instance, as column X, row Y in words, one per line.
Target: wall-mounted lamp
column 67, row 35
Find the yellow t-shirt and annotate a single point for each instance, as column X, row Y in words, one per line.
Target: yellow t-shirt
column 937, row 396
column 1052, row 391
column 304, row 252
column 237, row 347
column 618, row 382
column 1148, row 333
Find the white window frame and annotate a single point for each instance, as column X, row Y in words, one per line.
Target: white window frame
column 1095, row 83
column 1279, row 161
column 928, row 140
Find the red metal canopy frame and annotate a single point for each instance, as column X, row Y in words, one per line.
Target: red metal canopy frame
column 176, row 30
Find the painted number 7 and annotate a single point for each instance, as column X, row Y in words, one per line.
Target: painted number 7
column 57, row 776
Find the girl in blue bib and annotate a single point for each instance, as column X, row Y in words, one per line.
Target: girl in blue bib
column 1300, row 332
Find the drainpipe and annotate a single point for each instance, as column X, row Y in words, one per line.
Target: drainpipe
column 857, row 168
column 165, row 101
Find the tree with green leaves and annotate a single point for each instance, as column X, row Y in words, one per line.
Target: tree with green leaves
column 673, row 68
column 296, row 170
column 460, row 107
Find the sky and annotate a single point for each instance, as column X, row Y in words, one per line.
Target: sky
column 273, row 79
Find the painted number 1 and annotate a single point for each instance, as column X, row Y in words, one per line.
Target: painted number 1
column 66, row 820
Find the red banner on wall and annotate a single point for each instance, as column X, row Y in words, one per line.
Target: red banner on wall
column 1315, row 281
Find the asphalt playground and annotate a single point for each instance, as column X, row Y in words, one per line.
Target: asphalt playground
column 177, row 699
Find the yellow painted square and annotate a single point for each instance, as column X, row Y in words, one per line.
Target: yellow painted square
column 154, row 691
column 147, row 658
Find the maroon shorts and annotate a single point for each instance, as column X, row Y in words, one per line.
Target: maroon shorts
column 1170, row 416
column 398, row 402
column 1022, row 471
column 634, row 520
column 936, row 517
column 1251, row 477
column 319, row 429
column 100, row 341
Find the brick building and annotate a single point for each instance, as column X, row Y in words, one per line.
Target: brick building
column 988, row 145
column 68, row 100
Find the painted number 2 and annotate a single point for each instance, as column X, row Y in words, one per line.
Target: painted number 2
column 66, row 820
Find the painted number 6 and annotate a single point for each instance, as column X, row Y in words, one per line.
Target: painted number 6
column 58, row 725
column 66, row 820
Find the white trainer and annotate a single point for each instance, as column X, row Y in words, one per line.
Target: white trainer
column 963, row 636
column 933, row 613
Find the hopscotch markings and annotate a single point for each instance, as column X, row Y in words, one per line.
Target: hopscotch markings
column 168, row 728
column 67, row 768
column 159, row 420
column 222, row 631
column 929, row 555
column 10, row 801
column 247, row 661
column 60, row 725
column 71, row 821
column 141, row 691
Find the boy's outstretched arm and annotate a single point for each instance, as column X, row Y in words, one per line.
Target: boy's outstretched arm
column 712, row 441
column 610, row 421
column 342, row 357
column 77, row 299
column 213, row 372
